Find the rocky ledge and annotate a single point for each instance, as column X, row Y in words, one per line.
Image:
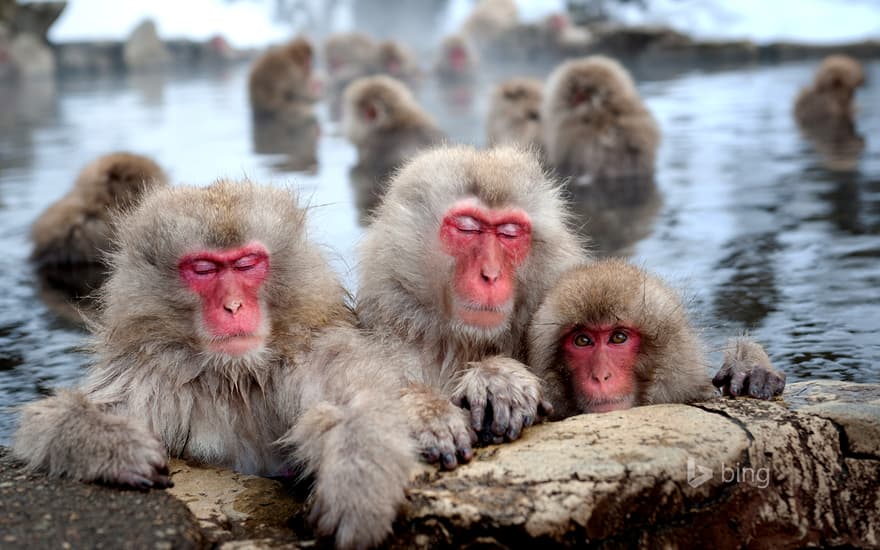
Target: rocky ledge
column 800, row 471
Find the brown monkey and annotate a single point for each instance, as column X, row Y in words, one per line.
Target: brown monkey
column 488, row 19
column 456, row 260
column 385, row 122
column 825, row 112
column 350, row 55
column 281, row 83
column 595, row 124
column 215, row 342
column 515, row 113
column 610, row 336
column 458, row 60
column 77, row 229
column 828, row 101
column 397, row 61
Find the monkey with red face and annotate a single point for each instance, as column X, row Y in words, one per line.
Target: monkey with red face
column 214, row 342
column 610, row 336
column 453, row 266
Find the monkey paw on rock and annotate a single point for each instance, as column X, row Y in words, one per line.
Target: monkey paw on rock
column 747, row 370
column 503, row 397
column 442, row 430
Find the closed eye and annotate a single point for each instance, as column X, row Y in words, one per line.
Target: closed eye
column 246, row 263
column 467, row 224
column 203, row 267
column 509, row 230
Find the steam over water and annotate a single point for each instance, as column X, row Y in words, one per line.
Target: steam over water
column 750, row 222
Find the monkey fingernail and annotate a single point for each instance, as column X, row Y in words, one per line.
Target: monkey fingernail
column 527, row 420
column 465, row 454
column 448, row 461
column 432, row 455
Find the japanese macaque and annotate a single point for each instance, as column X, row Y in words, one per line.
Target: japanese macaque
column 348, row 56
column 595, row 124
column 458, row 256
column 488, row 19
column 215, row 343
column 610, row 336
column 281, row 82
column 397, row 61
column 78, row 228
column 385, row 122
column 829, row 99
column 825, row 111
column 458, row 60
column 515, row 113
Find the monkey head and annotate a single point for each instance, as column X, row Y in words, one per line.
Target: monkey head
column 118, row 180
column 375, row 103
column 281, row 81
column 609, row 336
column 464, row 244
column 202, row 270
column 590, row 87
column 839, row 75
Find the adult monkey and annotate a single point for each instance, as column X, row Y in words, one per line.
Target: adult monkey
column 456, row 260
column 215, row 341
column 611, row 336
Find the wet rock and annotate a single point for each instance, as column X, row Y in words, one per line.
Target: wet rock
column 144, row 49
column 855, row 408
column 31, row 57
column 240, row 511
column 37, row 512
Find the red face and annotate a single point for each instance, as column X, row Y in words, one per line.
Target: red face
column 228, row 284
column 458, row 58
column 488, row 245
column 601, row 361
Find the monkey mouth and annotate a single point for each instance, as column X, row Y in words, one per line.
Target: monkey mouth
column 236, row 344
column 481, row 315
column 608, row 405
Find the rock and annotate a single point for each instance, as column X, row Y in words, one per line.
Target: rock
column 37, row 18
column 31, row 57
column 238, row 510
column 38, row 512
column 144, row 50
column 855, row 408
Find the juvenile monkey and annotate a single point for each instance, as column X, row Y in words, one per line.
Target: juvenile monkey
column 350, row 55
column 459, row 254
column 828, row 101
column 77, row 229
column 281, row 82
column 488, row 19
column 595, row 124
column 458, row 60
column 215, row 342
column 515, row 113
column 385, row 122
column 610, row 336
column 397, row 61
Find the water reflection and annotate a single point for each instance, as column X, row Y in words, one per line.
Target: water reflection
column 745, row 215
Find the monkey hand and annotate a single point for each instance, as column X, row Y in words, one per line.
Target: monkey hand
column 68, row 435
column 440, row 428
column 503, row 397
column 747, row 370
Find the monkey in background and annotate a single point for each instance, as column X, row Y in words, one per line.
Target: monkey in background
column 457, row 62
column 515, row 113
column 281, row 84
column 488, row 19
column 610, row 336
column 214, row 342
column 825, row 111
column 595, row 124
column 397, row 61
column 384, row 121
column 454, row 264
column 77, row 229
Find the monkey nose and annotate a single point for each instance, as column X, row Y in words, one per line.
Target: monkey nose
column 490, row 275
column 232, row 306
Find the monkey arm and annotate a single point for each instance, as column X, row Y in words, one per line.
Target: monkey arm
column 349, row 433
column 503, row 397
column 747, row 370
column 67, row 435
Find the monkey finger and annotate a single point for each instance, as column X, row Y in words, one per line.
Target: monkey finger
column 477, row 412
column 722, row 376
column 500, row 418
column 431, row 455
column 737, row 382
column 162, row 482
column 515, row 428
column 758, row 383
column 777, row 381
column 448, row 461
column 545, row 409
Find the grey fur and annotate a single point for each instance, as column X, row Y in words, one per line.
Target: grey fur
column 287, row 404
